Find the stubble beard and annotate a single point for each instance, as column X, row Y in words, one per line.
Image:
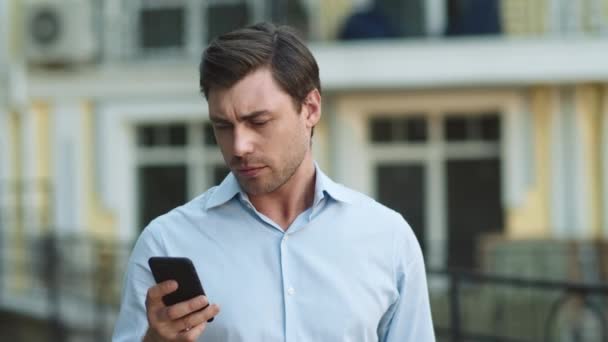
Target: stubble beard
column 294, row 155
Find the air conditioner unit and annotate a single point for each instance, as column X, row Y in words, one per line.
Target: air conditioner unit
column 60, row 31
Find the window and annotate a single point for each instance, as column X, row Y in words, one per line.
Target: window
column 175, row 162
column 156, row 27
column 401, row 188
column 463, row 127
column 389, row 19
column 153, row 29
column 209, row 135
column 381, row 130
column 219, row 173
column 224, row 17
column 162, row 27
column 293, row 13
column 161, row 188
column 399, row 129
column 442, row 173
column 473, row 17
column 456, row 128
column 183, row 28
column 161, row 135
column 406, row 17
column 474, row 207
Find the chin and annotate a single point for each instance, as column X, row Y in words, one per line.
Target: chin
column 257, row 187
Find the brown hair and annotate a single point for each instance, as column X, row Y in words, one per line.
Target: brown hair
column 232, row 56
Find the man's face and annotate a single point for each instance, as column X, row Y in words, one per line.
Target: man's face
column 262, row 137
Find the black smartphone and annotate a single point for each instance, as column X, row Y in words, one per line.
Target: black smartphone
column 183, row 272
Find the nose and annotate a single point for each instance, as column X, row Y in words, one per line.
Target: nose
column 243, row 141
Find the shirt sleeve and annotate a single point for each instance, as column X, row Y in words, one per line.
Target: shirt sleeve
column 132, row 322
column 410, row 318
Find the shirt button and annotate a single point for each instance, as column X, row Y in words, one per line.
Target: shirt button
column 291, row 291
column 285, row 238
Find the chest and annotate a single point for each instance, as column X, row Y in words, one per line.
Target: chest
column 304, row 286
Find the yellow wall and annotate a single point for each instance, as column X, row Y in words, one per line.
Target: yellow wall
column 524, row 17
column 15, row 43
column 98, row 220
column 531, row 219
column 603, row 150
column 589, row 108
column 605, row 10
column 332, row 17
column 16, row 239
column 42, row 174
column 14, row 140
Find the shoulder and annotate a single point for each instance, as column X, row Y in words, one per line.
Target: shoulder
column 364, row 210
column 368, row 206
column 385, row 221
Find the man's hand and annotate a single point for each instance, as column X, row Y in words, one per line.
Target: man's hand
column 183, row 321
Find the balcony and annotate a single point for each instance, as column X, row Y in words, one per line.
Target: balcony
column 446, row 45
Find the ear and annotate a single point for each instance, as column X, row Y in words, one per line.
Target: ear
column 311, row 108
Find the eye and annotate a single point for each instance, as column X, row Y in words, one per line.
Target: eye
column 221, row 125
column 260, row 123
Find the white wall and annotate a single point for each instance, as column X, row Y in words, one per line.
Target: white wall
column 569, row 197
column 66, row 128
column 517, row 143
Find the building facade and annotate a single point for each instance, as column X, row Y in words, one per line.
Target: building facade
column 474, row 126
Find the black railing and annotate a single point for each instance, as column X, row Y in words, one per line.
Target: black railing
column 589, row 301
column 70, row 284
column 78, row 279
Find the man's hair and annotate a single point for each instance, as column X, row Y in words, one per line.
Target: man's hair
column 234, row 55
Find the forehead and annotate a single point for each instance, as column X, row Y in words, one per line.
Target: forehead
column 256, row 91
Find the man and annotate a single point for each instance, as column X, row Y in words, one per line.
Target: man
column 288, row 254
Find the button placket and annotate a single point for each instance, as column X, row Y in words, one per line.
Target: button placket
column 287, row 288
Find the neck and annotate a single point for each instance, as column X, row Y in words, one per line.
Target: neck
column 288, row 201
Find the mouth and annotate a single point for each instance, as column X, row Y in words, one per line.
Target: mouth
column 249, row 172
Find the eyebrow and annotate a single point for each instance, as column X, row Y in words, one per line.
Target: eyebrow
column 247, row 116
column 253, row 115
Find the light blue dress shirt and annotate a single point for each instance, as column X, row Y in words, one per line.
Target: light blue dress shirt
column 347, row 269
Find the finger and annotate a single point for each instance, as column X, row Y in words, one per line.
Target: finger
column 193, row 333
column 203, row 315
column 195, row 319
column 185, row 308
column 159, row 290
column 154, row 303
column 206, row 314
column 199, row 319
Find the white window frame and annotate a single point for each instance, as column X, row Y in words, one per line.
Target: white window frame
column 118, row 154
column 356, row 157
column 566, row 17
column 432, row 155
column 133, row 7
column 195, row 156
column 435, row 17
column 195, row 32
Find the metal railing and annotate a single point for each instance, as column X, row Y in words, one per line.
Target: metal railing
column 566, row 311
column 72, row 284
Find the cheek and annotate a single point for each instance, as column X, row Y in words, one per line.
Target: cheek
column 224, row 142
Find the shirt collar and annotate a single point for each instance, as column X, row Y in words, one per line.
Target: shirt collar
column 324, row 185
column 229, row 188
